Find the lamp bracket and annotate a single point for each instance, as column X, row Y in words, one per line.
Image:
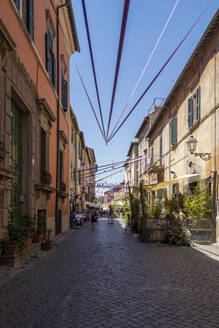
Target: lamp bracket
column 204, row 156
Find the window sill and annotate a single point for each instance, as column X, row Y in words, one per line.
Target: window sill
column 6, row 174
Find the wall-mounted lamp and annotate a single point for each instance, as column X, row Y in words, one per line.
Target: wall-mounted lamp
column 191, row 144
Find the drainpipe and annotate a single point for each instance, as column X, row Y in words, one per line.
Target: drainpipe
column 58, row 99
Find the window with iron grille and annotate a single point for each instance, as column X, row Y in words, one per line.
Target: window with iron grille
column 50, row 57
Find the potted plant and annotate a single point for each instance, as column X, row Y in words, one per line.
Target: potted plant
column 16, row 238
column 48, row 243
column 27, row 223
column 156, row 209
column 198, row 207
column 39, row 229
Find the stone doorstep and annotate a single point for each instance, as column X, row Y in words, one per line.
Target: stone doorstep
column 20, row 258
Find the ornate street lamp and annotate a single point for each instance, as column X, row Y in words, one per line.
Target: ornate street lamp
column 2, row 150
column 191, row 144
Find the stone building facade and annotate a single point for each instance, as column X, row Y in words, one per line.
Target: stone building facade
column 191, row 109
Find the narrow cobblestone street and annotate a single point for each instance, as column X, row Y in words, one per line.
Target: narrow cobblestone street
column 106, row 278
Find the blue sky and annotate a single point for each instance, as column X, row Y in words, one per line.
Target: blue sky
column 145, row 22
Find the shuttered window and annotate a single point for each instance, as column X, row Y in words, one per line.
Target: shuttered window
column 173, row 131
column 50, row 57
column 30, row 18
column 152, row 155
column 161, row 149
column 61, row 166
column 64, row 92
column 190, row 112
column 197, row 118
column 17, row 4
column 72, row 134
column 43, row 149
column 194, row 108
column 79, row 149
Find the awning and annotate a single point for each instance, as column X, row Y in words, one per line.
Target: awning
column 92, row 204
column 164, row 184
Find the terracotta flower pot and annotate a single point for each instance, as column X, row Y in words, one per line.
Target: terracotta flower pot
column 11, row 250
column 28, row 242
column 38, row 237
column 47, row 245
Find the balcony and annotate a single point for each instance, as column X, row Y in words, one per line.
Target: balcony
column 62, row 186
column 45, row 177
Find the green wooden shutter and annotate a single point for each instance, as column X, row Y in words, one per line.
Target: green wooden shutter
column 161, row 149
column 54, row 71
column 17, row 4
column 72, row 134
column 174, row 131
column 190, row 112
column 65, row 95
column 47, row 50
column 198, row 101
column 152, row 155
column 79, row 149
column 30, row 18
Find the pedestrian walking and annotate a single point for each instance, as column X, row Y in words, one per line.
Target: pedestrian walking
column 111, row 214
column 93, row 217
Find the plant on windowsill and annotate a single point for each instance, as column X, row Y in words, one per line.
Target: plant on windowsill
column 48, row 243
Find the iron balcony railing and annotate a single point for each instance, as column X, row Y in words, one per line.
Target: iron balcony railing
column 46, row 177
column 62, row 186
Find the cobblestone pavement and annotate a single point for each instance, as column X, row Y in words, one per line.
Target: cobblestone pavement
column 104, row 278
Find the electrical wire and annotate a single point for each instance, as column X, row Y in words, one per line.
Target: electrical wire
column 116, row 168
column 145, row 67
column 93, row 110
column 119, row 55
column 112, row 164
column 92, row 62
column 156, row 76
column 108, row 176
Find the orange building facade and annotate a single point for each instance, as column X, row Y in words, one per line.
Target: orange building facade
column 35, row 110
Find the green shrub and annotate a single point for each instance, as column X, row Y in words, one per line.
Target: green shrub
column 198, row 206
column 156, row 209
column 178, row 234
